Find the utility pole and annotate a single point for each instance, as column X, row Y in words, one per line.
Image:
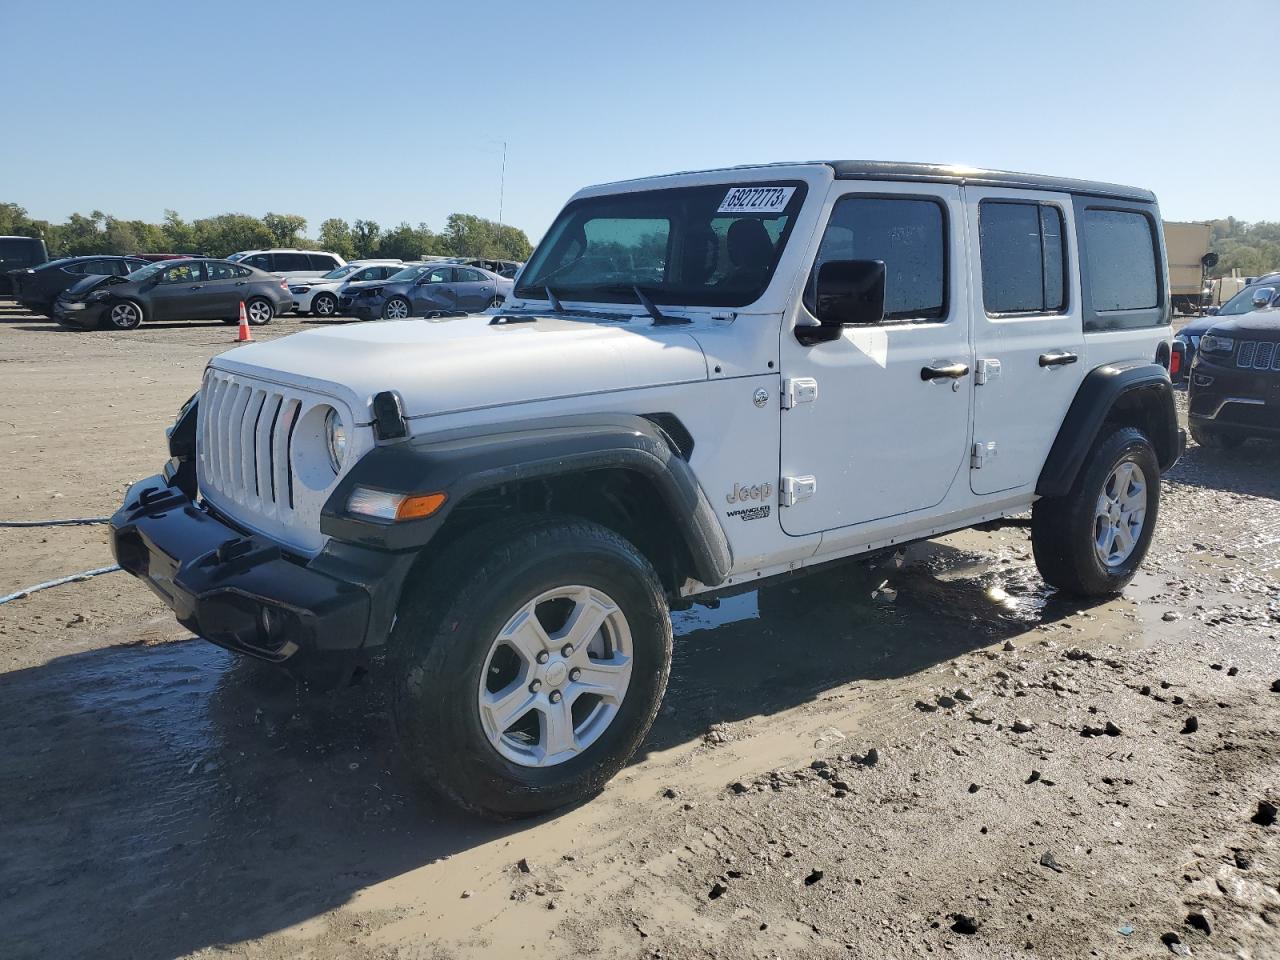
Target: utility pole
column 502, row 185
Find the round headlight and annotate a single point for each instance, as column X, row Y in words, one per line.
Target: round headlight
column 336, row 437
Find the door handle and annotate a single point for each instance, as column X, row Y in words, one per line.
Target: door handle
column 241, row 283
column 195, row 286
column 1059, row 359
column 950, row 371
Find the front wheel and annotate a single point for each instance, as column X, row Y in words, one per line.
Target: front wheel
column 125, row 315
column 397, row 308
column 1091, row 541
column 259, row 311
column 530, row 663
column 324, row 305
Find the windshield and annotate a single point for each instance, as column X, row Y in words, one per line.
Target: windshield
column 411, row 273
column 341, row 272
column 1242, row 302
column 147, row 272
column 700, row 246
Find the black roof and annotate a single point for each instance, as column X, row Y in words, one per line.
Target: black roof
column 942, row 173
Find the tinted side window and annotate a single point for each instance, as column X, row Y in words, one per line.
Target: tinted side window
column 262, row 261
column 220, row 271
column 292, row 261
column 1122, row 262
column 320, row 261
column 909, row 235
column 185, row 273
column 1023, row 261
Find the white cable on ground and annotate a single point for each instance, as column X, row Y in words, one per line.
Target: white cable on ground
column 79, row 521
column 27, row 591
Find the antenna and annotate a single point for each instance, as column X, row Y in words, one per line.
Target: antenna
column 502, row 186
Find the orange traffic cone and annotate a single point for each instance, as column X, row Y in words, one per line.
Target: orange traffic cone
column 244, row 336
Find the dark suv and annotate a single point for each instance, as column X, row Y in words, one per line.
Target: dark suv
column 1235, row 379
column 37, row 288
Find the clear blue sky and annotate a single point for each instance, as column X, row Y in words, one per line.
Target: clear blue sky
column 397, row 110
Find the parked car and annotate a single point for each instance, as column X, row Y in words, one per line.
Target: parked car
column 37, row 288
column 157, row 257
column 1235, row 382
column 319, row 297
column 196, row 289
column 424, row 290
column 19, row 253
column 290, row 264
column 1241, row 303
column 503, row 268
column 807, row 363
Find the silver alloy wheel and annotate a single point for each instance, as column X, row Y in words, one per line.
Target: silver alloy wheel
column 397, row 309
column 125, row 316
column 1120, row 514
column 325, row 305
column 555, row 676
column 260, row 312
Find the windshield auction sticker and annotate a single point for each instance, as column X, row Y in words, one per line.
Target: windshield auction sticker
column 760, row 199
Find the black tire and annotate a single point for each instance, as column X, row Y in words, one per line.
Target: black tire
column 387, row 309
column 1063, row 529
column 450, row 618
column 1215, row 438
column 324, row 305
column 122, row 315
column 259, row 310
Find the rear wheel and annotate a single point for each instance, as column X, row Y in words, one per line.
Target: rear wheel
column 530, row 663
column 259, row 311
column 124, row 315
column 324, row 305
column 1092, row 540
column 1216, row 438
column 397, row 308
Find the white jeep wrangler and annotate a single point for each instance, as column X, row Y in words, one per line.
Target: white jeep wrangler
column 701, row 381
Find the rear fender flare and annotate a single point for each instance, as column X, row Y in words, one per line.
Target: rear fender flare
column 1135, row 381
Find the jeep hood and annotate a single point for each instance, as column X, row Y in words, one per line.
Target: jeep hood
column 1258, row 324
column 465, row 363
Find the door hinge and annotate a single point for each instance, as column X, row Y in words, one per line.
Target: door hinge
column 983, row 451
column 794, row 489
column 988, row 370
column 798, row 390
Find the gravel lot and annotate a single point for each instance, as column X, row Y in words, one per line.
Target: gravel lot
column 974, row 767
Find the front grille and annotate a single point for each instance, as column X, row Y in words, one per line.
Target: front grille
column 1257, row 355
column 246, row 443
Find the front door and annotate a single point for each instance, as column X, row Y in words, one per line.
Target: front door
column 175, row 296
column 879, row 418
column 1028, row 332
column 433, row 293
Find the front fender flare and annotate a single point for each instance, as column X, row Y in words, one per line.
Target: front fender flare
column 1136, row 380
column 463, row 462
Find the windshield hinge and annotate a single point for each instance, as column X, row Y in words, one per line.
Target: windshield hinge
column 794, row 489
column 798, row 390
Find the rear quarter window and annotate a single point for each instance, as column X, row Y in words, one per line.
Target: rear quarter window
column 1122, row 270
column 320, row 261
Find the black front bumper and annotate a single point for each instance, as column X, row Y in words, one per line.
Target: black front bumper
column 1244, row 400
column 245, row 592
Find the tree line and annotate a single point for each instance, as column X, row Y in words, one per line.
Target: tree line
column 464, row 235
column 1251, row 248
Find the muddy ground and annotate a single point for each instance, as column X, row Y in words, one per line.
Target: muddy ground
column 833, row 775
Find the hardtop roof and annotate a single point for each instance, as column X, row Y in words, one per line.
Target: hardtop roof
column 940, row 173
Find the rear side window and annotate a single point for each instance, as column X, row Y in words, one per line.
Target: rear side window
column 1023, row 258
column 243, row 271
column 908, row 234
column 261, row 260
column 320, row 261
column 293, row 261
column 468, row 276
column 1122, row 261
column 220, row 271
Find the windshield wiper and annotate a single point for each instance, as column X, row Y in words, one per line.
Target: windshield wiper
column 556, row 305
column 659, row 318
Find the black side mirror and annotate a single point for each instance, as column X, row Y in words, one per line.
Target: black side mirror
column 849, row 293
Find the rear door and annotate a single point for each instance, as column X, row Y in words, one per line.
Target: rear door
column 224, row 288
column 1028, row 332
column 472, row 289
